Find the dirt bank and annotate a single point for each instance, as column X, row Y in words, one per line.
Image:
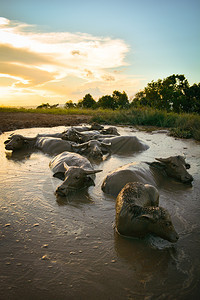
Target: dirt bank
column 12, row 120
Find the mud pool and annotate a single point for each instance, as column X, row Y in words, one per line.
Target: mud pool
column 52, row 248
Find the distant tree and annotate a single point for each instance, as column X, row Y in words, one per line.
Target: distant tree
column 47, row 105
column 54, row 106
column 69, row 104
column 106, row 102
column 171, row 94
column 88, row 101
column 44, row 105
column 193, row 99
column 120, row 99
column 80, row 103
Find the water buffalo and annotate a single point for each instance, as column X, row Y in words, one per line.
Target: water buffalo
column 94, row 126
column 152, row 173
column 48, row 145
column 138, row 214
column 75, row 171
column 110, row 130
column 72, row 135
column 82, row 137
column 125, row 144
column 93, row 149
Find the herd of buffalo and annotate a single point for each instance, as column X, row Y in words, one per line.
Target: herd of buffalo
column 134, row 185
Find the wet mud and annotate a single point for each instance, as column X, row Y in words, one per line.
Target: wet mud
column 67, row 248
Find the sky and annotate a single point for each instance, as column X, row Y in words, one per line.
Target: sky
column 56, row 51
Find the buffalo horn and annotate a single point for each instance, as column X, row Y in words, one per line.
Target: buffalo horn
column 90, row 172
column 105, row 144
column 81, row 145
column 66, row 166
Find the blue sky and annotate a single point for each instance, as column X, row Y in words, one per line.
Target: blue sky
column 54, row 51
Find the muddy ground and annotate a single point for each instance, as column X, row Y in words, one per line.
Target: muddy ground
column 54, row 248
column 12, row 120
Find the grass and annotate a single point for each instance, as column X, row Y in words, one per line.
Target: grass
column 180, row 125
column 55, row 111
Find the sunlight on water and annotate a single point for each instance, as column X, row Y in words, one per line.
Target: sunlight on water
column 52, row 247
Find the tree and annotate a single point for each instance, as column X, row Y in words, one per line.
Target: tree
column 106, row 102
column 193, row 98
column 88, row 101
column 47, row 105
column 69, row 104
column 120, row 99
column 171, row 94
column 44, row 105
column 54, row 106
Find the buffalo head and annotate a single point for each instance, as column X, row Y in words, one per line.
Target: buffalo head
column 72, row 135
column 75, row 178
column 158, row 222
column 176, row 167
column 93, row 149
column 14, row 142
column 96, row 126
column 110, row 130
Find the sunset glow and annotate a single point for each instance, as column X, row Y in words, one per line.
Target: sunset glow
column 47, row 64
column 61, row 51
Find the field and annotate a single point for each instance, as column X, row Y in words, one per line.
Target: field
column 180, row 125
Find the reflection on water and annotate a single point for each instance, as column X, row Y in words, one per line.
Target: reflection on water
column 67, row 248
column 76, row 199
column 19, row 155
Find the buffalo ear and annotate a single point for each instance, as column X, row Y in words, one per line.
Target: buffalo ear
column 59, row 175
column 146, row 217
column 187, row 166
column 158, row 165
column 90, row 181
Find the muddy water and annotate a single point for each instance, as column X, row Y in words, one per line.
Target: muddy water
column 52, row 248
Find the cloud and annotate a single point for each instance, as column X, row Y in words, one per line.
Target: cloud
column 46, row 62
column 89, row 74
column 26, row 76
column 108, row 78
column 76, row 52
column 9, row 53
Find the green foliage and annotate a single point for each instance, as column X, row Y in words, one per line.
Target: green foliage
column 69, row 104
column 171, row 94
column 180, row 125
column 120, row 100
column 179, row 132
column 106, row 102
column 87, row 102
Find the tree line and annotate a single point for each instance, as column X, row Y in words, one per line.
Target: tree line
column 170, row 94
column 117, row 100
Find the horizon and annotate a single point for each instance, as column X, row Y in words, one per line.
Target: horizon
column 63, row 51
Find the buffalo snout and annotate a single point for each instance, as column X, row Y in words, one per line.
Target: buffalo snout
column 173, row 238
column 63, row 191
column 187, row 178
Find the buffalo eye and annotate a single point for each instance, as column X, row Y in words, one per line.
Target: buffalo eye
column 174, row 166
column 77, row 177
column 167, row 224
